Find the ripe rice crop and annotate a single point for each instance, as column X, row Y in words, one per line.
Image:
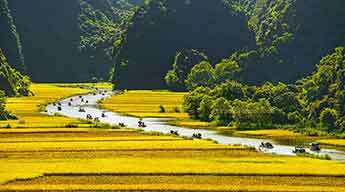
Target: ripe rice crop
column 147, row 103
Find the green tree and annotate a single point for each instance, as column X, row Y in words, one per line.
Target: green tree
column 328, row 119
column 192, row 101
column 205, row 108
column 248, row 114
column 230, row 90
column 221, row 112
column 172, row 79
column 227, row 70
column 201, row 74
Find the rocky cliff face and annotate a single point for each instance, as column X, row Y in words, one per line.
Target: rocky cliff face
column 164, row 27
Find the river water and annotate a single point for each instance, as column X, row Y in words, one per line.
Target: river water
column 70, row 107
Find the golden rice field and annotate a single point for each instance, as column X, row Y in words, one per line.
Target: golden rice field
column 47, row 156
column 112, row 160
column 334, row 142
column 269, row 133
column 146, row 103
column 29, row 109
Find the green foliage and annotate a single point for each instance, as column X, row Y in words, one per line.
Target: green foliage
column 192, row 101
column 248, row 114
column 230, row 90
column 323, row 91
column 11, row 81
column 183, row 63
column 205, row 108
column 201, row 74
column 172, row 80
column 328, row 118
column 316, row 101
column 102, row 29
column 227, row 70
column 4, row 115
column 221, row 112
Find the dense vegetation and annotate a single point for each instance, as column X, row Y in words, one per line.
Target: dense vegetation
column 12, row 83
column 315, row 102
column 163, row 30
column 64, row 41
column 103, row 25
column 275, row 40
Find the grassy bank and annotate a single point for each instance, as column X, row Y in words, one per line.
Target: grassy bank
column 147, row 104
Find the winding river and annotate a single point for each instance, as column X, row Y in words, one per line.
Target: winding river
column 70, row 107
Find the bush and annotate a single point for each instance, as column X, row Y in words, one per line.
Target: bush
column 177, row 110
column 205, row 108
column 328, row 117
column 161, row 109
column 221, row 112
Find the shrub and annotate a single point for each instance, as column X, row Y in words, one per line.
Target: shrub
column 328, row 118
column 161, row 109
column 177, row 110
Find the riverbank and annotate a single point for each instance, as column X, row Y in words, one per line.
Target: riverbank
column 29, row 109
column 146, row 104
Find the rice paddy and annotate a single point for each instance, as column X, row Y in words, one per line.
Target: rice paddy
column 29, row 109
column 42, row 158
column 91, row 159
column 147, row 104
column 333, row 142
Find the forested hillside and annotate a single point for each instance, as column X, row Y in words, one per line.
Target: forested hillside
column 10, row 39
column 292, row 36
column 163, row 28
column 314, row 102
column 69, row 40
column 274, row 41
column 11, row 81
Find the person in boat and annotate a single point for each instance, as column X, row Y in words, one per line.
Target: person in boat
column 71, row 100
column 103, row 115
column 122, row 125
column 82, row 100
column 86, row 101
column 59, row 103
column 69, row 104
column 299, row 149
column 89, row 117
column 174, row 132
column 142, row 124
column 197, row 135
column 59, row 108
column 80, row 96
column 266, row 145
column 81, row 110
column 315, row 146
